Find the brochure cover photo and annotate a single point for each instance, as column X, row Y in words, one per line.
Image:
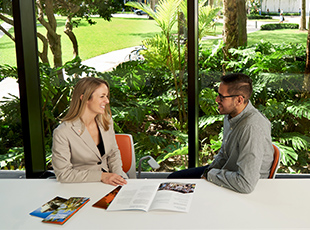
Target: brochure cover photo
column 63, row 212
column 49, row 207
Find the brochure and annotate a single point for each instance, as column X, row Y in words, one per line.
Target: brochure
column 59, row 215
column 172, row 196
column 49, row 207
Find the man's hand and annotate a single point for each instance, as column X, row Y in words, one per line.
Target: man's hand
column 112, row 179
column 205, row 173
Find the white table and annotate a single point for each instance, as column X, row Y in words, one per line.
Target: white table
column 275, row 204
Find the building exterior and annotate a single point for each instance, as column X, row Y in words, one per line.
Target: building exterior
column 288, row 6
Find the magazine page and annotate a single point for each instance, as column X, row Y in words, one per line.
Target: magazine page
column 105, row 201
column 66, row 210
column 49, row 207
column 173, row 196
column 133, row 197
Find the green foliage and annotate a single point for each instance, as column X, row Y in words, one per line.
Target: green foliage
column 207, row 101
column 170, row 51
column 270, row 58
column 276, row 70
column 211, row 59
column 163, row 54
column 144, row 102
column 7, row 71
column 206, row 21
column 277, row 26
column 259, row 16
column 10, row 124
column 13, row 159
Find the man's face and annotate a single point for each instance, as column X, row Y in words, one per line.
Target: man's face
column 226, row 105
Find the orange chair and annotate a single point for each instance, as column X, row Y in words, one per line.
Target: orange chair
column 276, row 162
column 125, row 145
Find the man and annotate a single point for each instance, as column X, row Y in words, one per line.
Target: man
column 246, row 153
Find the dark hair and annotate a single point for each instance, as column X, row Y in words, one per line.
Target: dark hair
column 239, row 84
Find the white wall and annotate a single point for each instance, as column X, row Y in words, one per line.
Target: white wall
column 289, row 6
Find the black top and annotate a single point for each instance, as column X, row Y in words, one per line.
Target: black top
column 100, row 146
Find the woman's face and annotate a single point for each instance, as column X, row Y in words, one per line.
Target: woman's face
column 99, row 99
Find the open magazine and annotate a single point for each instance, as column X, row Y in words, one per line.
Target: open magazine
column 172, row 196
column 59, row 210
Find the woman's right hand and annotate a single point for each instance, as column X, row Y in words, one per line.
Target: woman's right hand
column 112, row 179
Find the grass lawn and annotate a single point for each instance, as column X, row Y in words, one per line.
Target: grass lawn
column 122, row 33
column 93, row 40
column 273, row 36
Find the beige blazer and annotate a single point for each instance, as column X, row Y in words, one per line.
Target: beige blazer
column 76, row 157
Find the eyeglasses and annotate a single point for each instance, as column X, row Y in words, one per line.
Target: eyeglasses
column 223, row 97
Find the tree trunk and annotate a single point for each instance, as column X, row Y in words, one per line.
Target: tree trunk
column 303, row 15
column 52, row 37
column 307, row 70
column 181, row 24
column 152, row 4
column 211, row 3
column 68, row 31
column 230, row 27
column 306, row 85
column 242, row 23
column 43, row 55
column 9, row 21
column 73, row 8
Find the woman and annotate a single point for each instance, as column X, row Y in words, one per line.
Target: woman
column 281, row 18
column 84, row 145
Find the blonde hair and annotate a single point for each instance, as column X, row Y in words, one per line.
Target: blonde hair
column 86, row 87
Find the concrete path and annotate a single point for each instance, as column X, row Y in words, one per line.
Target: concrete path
column 6, row 26
column 107, row 62
column 102, row 63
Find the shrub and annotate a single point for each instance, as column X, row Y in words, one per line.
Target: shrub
column 277, row 26
column 259, row 16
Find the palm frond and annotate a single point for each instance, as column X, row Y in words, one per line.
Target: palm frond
column 166, row 14
column 300, row 109
column 288, row 154
column 208, row 120
column 206, row 19
column 297, row 140
column 273, row 108
column 177, row 152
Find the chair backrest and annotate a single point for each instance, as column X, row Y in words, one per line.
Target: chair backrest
column 125, row 145
column 276, row 162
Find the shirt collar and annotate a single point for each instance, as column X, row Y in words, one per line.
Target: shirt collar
column 240, row 116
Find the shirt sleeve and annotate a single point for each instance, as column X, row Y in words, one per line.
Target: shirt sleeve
column 219, row 160
column 250, row 152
